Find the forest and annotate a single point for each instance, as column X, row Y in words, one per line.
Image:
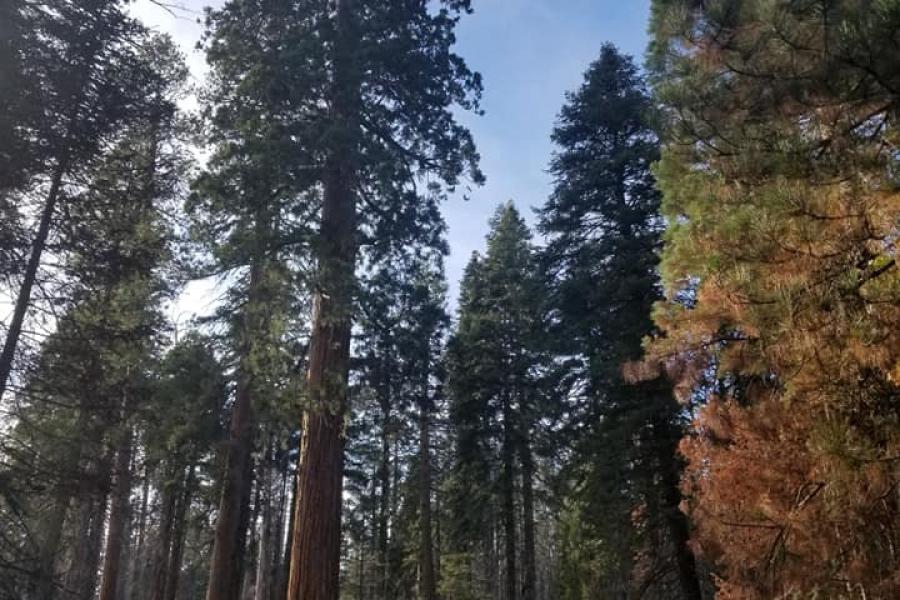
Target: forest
column 676, row 379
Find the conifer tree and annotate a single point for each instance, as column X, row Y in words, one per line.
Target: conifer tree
column 75, row 420
column 83, row 78
column 494, row 358
column 779, row 177
column 604, row 231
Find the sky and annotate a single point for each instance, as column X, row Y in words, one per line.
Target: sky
column 530, row 53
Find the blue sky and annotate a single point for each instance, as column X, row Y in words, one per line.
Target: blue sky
column 530, row 53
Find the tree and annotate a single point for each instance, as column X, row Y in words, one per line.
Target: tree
column 494, row 358
column 85, row 77
column 251, row 209
column 604, row 230
column 392, row 83
column 780, row 193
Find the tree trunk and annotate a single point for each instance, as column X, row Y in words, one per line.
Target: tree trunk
column 118, row 517
column 529, row 577
column 226, row 565
column 427, row 584
column 50, row 544
column 173, row 569
column 34, row 261
column 263, row 564
column 138, row 570
column 81, row 581
column 161, row 558
column 508, row 499
column 384, row 478
column 676, row 521
column 285, row 571
column 317, row 537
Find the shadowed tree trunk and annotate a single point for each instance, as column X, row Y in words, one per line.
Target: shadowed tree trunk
column 118, row 517
column 427, row 583
column 508, row 500
column 173, row 569
column 317, row 535
column 676, row 521
column 166, row 532
column 226, row 563
column 226, row 566
column 529, row 581
column 24, row 296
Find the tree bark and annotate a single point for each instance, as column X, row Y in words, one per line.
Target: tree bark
column 676, row 521
column 138, row 570
column 173, row 569
column 118, row 517
column 384, row 478
column 81, row 581
column 284, row 572
column 50, row 544
column 508, row 499
column 529, row 576
column 263, row 562
column 317, row 537
column 166, row 523
column 226, row 565
column 427, row 583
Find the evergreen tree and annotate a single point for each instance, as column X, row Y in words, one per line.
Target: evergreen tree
column 781, row 194
column 494, row 360
column 604, row 230
column 85, row 76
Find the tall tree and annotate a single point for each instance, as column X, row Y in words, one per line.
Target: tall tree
column 251, row 210
column 494, row 358
column 81, row 63
column 779, row 177
column 604, row 230
column 392, row 83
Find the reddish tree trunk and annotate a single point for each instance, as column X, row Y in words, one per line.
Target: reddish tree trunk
column 227, row 560
column 317, row 535
column 118, row 517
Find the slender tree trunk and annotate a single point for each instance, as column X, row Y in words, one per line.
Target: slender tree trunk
column 34, row 261
column 173, row 569
column 427, row 583
column 263, row 565
column 529, row 575
column 51, row 539
column 118, row 517
column 317, row 538
column 138, row 589
column 285, row 570
column 226, row 565
column 384, row 478
column 508, row 500
column 166, row 523
column 670, row 467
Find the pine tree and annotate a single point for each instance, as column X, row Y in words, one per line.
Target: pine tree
column 604, row 231
column 781, row 195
